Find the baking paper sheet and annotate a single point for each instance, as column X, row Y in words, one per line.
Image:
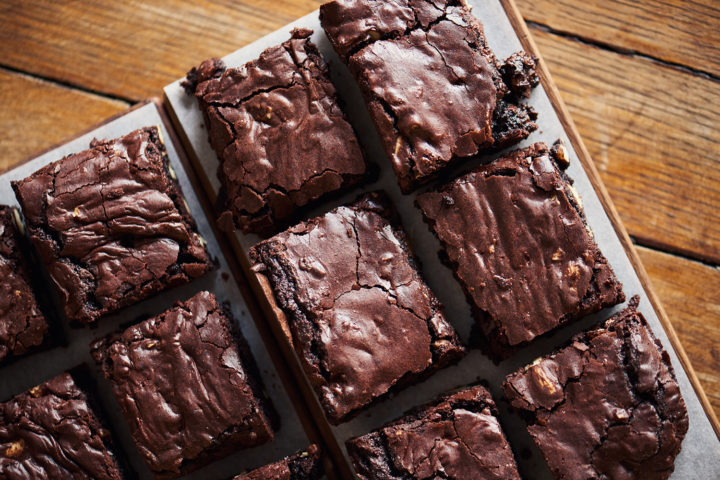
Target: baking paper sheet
column 700, row 456
column 36, row 368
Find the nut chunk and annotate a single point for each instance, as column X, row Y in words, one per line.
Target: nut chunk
column 111, row 225
column 515, row 236
column 458, row 437
column 187, row 386
column 362, row 320
column 607, row 405
column 281, row 137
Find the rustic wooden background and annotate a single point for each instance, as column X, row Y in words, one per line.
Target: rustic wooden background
column 641, row 80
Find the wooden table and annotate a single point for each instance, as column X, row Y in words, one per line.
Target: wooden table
column 641, row 80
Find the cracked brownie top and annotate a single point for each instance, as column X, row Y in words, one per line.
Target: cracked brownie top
column 514, row 233
column 187, row 386
column 51, row 431
column 111, row 225
column 301, row 466
column 434, row 89
column 362, row 319
column 278, row 131
column 606, row 406
column 22, row 324
column 457, row 437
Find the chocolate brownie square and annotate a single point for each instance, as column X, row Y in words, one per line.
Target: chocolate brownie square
column 301, row 466
column 52, row 431
column 514, row 233
column 608, row 405
column 23, row 326
column 362, row 320
column 111, row 225
column 279, row 133
column 187, row 386
column 434, row 89
column 457, row 437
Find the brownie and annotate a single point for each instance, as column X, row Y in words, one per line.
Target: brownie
column 111, row 225
column 362, row 320
column 282, row 140
column 22, row 323
column 301, row 466
column 608, row 405
column 52, row 431
column 187, row 386
column 434, row 89
column 514, row 233
column 458, row 437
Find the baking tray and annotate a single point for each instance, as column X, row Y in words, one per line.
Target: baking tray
column 506, row 33
column 225, row 282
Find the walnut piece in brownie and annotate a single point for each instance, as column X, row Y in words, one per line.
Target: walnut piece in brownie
column 606, row 406
column 22, row 324
column 434, row 88
column 515, row 236
column 187, row 386
column 301, row 466
column 362, row 320
column 281, row 137
column 111, row 225
column 457, row 437
column 51, row 431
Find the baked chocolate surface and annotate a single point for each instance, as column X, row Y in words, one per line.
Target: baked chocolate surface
column 111, row 225
column 363, row 321
column 301, row 466
column 187, row 386
column 22, row 324
column 607, row 405
column 433, row 87
column 51, row 432
column 457, row 437
column 514, row 234
column 281, row 137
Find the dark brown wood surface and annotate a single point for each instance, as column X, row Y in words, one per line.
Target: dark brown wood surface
column 640, row 79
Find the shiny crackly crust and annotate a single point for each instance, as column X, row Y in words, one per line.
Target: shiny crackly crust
column 301, row 466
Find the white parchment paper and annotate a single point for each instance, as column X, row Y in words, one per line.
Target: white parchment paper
column 700, row 456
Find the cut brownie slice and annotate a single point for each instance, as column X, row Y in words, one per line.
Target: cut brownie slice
column 301, row 466
column 187, row 386
column 111, row 225
column 435, row 91
column 606, row 406
column 51, row 431
column 22, row 324
column 281, row 137
column 362, row 320
column 515, row 236
column 457, row 437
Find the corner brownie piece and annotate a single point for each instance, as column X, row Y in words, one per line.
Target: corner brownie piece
column 187, row 386
column 606, row 406
column 515, row 236
column 301, row 466
column 111, row 225
column 457, row 437
column 435, row 90
column 22, row 324
column 51, row 431
column 281, row 137
column 362, row 320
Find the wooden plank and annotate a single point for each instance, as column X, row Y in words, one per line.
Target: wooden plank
column 654, row 134
column 37, row 114
column 685, row 32
column 692, row 300
column 131, row 49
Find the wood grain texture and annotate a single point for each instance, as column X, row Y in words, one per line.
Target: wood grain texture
column 684, row 32
column 690, row 295
column 37, row 114
column 654, row 135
